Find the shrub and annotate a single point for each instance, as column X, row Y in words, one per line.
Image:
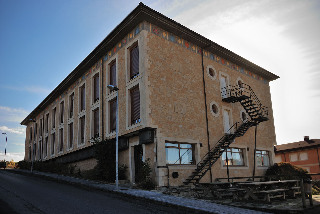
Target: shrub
column 143, row 176
column 286, row 171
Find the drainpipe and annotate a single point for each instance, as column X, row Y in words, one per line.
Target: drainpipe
column 254, row 154
column 206, row 110
column 102, row 101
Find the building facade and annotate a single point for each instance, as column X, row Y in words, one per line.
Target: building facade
column 304, row 154
column 172, row 104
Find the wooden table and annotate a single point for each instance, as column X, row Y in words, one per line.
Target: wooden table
column 269, row 189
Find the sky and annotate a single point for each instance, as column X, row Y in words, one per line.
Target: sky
column 41, row 42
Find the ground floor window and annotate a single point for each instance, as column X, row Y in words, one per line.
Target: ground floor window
column 234, row 156
column 263, row 158
column 179, row 153
column 53, row 141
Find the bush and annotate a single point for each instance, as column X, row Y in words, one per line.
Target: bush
column 143, row 176
column 286, row 171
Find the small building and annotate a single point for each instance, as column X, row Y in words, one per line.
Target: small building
column 186, row 103
column 304, row 154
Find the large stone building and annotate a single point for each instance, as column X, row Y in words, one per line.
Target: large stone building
column 180, row 96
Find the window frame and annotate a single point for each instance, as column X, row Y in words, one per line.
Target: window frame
column 61, row 113
column 242, row 155
column 111, row 121
column 130, row 58
column 95, row 88
column 95, row 130
column 61, row 140
column 258, row 151
column 82, row 120
column 71, row 105
column 70, row 135
column 133, row 119
column 82, row 97
column 179, row 148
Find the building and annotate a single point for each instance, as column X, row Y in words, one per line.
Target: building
column 304, row 154
column 179, row 95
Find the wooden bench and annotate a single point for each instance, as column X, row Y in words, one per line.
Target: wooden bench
column 274, row 193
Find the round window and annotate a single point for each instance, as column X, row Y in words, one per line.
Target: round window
column 240, row 83
column 214, row 108
column 211, row 72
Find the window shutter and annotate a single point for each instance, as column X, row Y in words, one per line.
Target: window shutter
column 135, row 105
column 134, row 61
column 83, row 98
column 113, row 115
column 96, row 88
column 113, row 75
column 96, row 123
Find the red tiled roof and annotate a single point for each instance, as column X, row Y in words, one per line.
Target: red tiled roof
column 298, row 145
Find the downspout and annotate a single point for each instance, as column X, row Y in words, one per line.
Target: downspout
column 102, row 101
column 254, row 154
column 206, row 110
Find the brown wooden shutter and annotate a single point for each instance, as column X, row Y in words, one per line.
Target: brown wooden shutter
column 61, row 112
column 70, row 134
column 82, row 127
column 113, row 115
column 135, row 105
column 113, row 74
column 134, row 61
column 83, row 98
column 96, row 123
column 96, row 88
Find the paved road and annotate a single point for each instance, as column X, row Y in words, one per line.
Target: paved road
column 27, row 194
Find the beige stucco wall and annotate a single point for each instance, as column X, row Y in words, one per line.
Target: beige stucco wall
column 177, row 108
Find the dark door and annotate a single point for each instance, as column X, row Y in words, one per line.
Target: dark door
column 138, row 156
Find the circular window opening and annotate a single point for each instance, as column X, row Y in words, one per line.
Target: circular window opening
column 214, row 108
column 243, row 116
column 240, row 83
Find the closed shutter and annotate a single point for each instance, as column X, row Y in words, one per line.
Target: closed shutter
column 135, row 105
column 82, row 98
column 82, row 127
column 61, row 112
column 96, row 123
column 70, row 135
column 113, row 74
column 96, row 88
column 134, row 61
column 113, row 115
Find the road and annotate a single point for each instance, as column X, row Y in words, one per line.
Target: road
column 28, row 194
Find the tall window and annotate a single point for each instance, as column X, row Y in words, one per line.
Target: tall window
column 134, row 61
column 113, row 74
column 82, row 98
column 96, row 88
column 71, row 101
column 113, row 116
column 53, row 141
column 45, row 147
column 82, row 129
column 47, row 123
column 61, row 111
column 179, row 153
column 40, row 128
column 60, row 140
column 54, row 118
column 70, row 135
column 135, row 105
column 96, row 123
column 235, row 157
column 262, row 158
column 31, row 134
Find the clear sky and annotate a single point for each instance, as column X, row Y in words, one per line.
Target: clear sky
column 41, row 42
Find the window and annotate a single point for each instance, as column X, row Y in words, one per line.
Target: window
column 293, row 157
column 31, row 134
column 262, row 158
column 45, row 147
column 53, row 141
column 179, row 153
column 303, row 156
column 61, row 111
column 71, row 101
column 134, row 61
column 61, row 140
column 82, row 98
column 40, row 128
column 47, row 123
column 113, row 115
column 82, row 129
column 235, row 157
column 70, row 135
column 135, row 105
column 95, row 88
column 54, row 118
column 96, row 123
column 113, row 74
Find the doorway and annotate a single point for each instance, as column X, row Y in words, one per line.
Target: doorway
column 138, row 162
column 223, row 86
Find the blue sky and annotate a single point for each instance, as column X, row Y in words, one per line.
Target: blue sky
column 41, row 42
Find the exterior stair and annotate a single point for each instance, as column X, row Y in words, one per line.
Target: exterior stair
column 258, row 113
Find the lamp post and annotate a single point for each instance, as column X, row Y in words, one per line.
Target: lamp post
column 32, row 120
column 5, row 148
column 114, row 88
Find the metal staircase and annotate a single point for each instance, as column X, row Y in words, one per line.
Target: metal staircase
column 258, row 113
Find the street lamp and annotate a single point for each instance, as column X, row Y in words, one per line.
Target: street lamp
column 32, row 120
column 114, row 88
